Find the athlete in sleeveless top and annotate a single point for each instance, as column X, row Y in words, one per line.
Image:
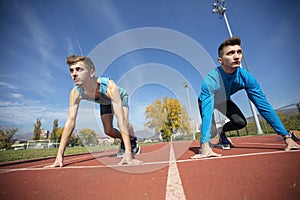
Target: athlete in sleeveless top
column 113, row 100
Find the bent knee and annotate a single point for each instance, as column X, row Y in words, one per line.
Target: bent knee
column 239, row 121
column 108, row 131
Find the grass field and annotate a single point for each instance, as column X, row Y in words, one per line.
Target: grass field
column 13, row 155
column 26, row 154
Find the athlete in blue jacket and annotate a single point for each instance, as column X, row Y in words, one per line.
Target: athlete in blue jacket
column 216, row 90
column 112, row 100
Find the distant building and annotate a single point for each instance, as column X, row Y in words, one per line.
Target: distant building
column 44, row 134
column 105, row 141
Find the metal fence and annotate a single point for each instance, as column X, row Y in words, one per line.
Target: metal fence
column 289, row 116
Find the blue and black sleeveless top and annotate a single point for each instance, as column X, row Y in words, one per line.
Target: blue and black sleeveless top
column 104, row 99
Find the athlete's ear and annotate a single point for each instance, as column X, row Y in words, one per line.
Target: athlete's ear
column 220, row 60
column 92, row 72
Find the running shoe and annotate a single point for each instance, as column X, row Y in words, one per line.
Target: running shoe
column 135, row 148
column 225, row 142
column 121, row 150
column 295, row 135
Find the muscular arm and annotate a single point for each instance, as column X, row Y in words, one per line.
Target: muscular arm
column 207, row 98
column 257, row 96
column 71, row 120
column 114, row 94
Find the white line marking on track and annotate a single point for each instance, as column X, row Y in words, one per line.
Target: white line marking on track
column 147, row 163
column 244, row 155
column 174, row 185
column 267, row 144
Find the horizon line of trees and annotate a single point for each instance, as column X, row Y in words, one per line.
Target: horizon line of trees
column 165, row 117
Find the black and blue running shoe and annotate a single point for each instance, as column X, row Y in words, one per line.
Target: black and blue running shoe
column 135, row 148
column 225, row 142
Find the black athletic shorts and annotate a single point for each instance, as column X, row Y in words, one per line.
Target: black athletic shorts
column 105, row 109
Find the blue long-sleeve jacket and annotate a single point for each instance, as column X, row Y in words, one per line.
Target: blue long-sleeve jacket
column 218, row 86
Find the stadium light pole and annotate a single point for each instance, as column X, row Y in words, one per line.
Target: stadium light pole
column 185, row 84
column 220, row 8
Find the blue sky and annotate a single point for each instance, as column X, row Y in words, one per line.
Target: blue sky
column 36, row 36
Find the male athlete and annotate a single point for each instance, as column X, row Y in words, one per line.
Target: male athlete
column 112, row 99
column 216, row 90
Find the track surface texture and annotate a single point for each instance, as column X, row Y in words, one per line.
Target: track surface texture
column 257, row 168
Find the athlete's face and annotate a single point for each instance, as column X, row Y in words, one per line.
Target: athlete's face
column 80, row 73
column 231, row 58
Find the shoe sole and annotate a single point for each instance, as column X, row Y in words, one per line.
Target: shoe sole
column 226, row 147
column 230, row 145
column 120, row 155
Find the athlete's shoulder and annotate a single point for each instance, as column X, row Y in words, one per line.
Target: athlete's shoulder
column 76, row 90
column 213, row 76
column 242, row 70
column 75, row 95
column 245, row 73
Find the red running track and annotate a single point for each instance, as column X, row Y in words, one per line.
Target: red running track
column 257, row 168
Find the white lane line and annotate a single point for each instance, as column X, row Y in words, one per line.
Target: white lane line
column 148, row 163
column 245, row 155
column 174, row 186
column 267, row 144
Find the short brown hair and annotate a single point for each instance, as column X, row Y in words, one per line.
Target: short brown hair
column 229, row 42
column 72, row 59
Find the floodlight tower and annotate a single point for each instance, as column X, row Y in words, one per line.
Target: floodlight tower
column 186, row 85
column 219, row 8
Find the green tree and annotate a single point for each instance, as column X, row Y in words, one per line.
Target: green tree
column 167, row 117
column 87, row 136
column 54, row 130
column 37, row 129
column 73, row 141
column 5, row 137
column 59, row 132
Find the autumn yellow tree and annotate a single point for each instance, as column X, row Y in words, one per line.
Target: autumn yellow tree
column 167, row 117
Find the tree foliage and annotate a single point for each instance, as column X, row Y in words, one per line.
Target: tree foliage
column 59, row 132
column 74, row 140
column 87, row 136
column 37, row 129
column 167, row 117
column 54, row 136
column 5, row 137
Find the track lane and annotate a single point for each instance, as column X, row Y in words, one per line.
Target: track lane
column 257, row 168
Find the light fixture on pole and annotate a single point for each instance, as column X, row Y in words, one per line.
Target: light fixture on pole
column 220, row 8
column 185, row 84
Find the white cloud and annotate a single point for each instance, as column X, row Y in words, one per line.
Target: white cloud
column 42, row 40
column 23, row 114
column 105, row 10
column 70, row 47
column 89, row 117
column 7, row 85
column 16, row 95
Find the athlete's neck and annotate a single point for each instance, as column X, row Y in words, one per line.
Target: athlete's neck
column 228, row 70
column 90, row 86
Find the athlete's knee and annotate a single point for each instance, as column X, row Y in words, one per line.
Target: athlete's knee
column 110, row 132
column 239, row 121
